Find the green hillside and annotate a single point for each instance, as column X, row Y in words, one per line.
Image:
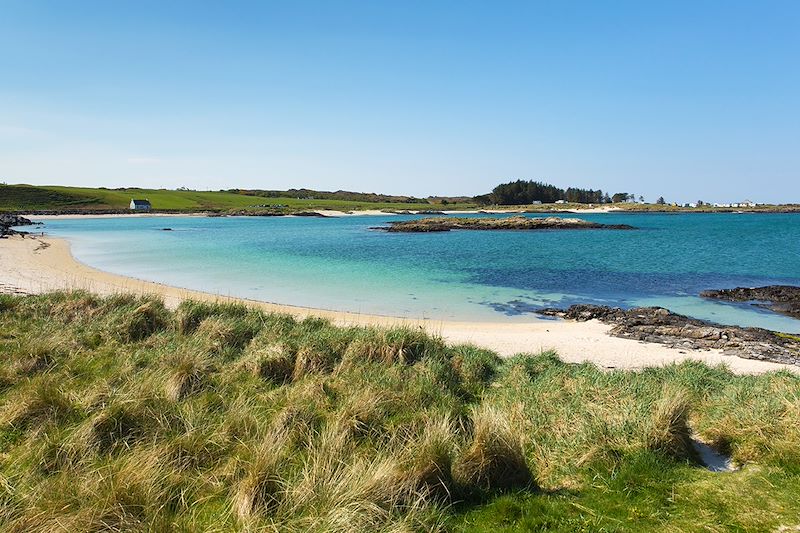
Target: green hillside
column 51, row 197
column 22, row 197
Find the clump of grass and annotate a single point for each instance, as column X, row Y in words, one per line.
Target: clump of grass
column 428, row 470
column 495, row 458
column 190, row 314
column 319, row 351
column 190, row 373
column 7, row 302
column 37, row 401
column 117, row 426
column 143, row 321
column 259, row 491
column 274, row 362
column 226, row 336
column 339, row 490
column 668, row 430
column 364, row 412
column 73, row 306
column 396, row 345
column 754, row 419
column 476, row 367
column 39, row 357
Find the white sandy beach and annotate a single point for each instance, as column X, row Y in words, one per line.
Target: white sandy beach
column 39, row 264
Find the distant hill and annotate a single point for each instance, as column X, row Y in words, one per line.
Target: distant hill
column 58, row 198
column 349, row 196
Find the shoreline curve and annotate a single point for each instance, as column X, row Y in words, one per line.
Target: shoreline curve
column 37, row 264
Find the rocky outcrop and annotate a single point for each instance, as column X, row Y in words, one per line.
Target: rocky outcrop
column 7, row 221
column 659, row 325
column 426, row 225
column 783, row 299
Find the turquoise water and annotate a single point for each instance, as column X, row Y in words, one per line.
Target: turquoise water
column 342, row 264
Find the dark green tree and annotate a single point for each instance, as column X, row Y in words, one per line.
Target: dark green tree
column 620, row 197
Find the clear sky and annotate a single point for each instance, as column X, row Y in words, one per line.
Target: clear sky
column 689, row 100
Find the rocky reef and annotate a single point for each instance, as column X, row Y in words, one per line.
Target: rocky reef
column 783, row 299
column 7, row 221
column 425, row 225
column 659, row 325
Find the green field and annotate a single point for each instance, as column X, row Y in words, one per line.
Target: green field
column 27, row 197
column 117, row 414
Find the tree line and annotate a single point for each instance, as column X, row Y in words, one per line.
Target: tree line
column 527, row 192
column 521, row 192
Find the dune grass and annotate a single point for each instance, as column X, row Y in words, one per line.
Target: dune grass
column 119, row 414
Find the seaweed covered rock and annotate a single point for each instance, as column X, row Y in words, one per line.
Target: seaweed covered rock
column 783, row 299
column 659, row 325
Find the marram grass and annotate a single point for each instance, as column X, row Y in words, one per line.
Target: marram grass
column 117, row 414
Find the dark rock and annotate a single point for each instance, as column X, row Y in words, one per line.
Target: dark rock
column 659, row 325
column 9, row 220
column 783, row 299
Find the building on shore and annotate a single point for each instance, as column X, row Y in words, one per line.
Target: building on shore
column 140, row 205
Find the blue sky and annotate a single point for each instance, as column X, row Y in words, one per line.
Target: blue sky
column 689, row 100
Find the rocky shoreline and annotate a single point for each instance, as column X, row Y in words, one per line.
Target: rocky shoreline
column 439, row 224
column 8, row 221
column 659, row 325
column 782, row 299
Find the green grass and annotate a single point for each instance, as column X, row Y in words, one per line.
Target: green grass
column 119, row 414
column 27, row 197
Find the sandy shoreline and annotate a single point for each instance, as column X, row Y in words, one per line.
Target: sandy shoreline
column 39, row 264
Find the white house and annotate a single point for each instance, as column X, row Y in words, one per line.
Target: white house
column 140, row 205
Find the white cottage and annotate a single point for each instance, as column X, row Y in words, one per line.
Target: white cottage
column 140, row 205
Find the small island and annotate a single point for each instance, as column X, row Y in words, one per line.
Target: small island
column 426, row 225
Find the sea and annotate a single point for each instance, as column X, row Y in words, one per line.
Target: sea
column 343, row 263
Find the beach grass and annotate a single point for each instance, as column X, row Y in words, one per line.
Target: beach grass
column 117, row 413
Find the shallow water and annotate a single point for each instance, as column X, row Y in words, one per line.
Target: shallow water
column 340, row 263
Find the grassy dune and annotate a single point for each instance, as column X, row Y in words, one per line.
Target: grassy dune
column 118, row 414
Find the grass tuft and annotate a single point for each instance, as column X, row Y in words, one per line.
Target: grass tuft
column 189, row 375
column 260, row 489
column 143, row 321
column 668, row 431
column 494, row 459
column 274, row 362
column 429, row 469
column 396, row 345
column 38, row 401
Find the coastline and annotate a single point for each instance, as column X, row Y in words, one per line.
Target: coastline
column 322, row 213
column 34, row 264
